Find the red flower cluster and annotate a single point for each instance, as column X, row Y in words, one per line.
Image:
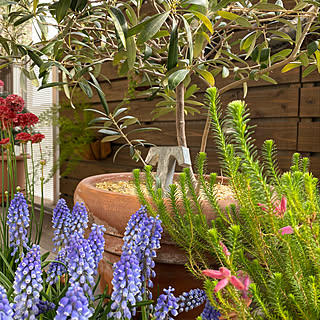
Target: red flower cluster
column 14, row 103
column 23, row 120
column 23, row 137
column 4, row 141
column 37, row 138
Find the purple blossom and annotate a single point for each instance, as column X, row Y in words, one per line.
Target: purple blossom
column 81, row 265
column 96, row 242
column 44, row 307
column 209, row 312
column 190, row 300
column 167, row 304
column 61, row 223
column 79, row 219
column 126, row 286
column 28, row 285
column 57, row 269
column 18, row 222
column 6, row 312
column 74, row 305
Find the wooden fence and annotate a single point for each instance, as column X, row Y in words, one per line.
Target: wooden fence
column 288, row 113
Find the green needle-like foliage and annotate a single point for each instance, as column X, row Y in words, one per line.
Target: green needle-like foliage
column 270, row 233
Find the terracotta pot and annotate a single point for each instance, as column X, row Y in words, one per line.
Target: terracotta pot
column 20, row 175
column 113, row 210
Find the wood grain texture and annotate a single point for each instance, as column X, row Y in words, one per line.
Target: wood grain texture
column 310, row 102
column 309, row 137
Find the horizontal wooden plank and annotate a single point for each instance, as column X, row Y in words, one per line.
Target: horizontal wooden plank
column 309, row 137
column 310, row 102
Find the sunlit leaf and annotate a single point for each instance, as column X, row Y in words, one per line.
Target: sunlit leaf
column 290, row 66
column 176, row 78
column 207, row 76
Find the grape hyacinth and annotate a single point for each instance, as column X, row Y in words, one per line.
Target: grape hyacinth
column 28, row 285
column 74, row 304
column 79, row 219
column 96, row 242
column 18, row 222
column 166, row 304
column 190, row 300
column 80, row 262
column 6, row 312
column 126, row 286
column 45, row 306
column 57, row 269
column 61, row 223
column 209, row 312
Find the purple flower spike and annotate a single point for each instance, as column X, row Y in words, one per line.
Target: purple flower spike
column 209, row 312
column 18, row 222
column 190, row 300
column 96, row 242
column 45, row 306
column 126, row 287
column 74, row 305
column 166, row 305
column 61, row 223
column 6, row 312
column 28, row 285
column 81, row 265
column 286, row 230
column 57, row 269
column 79, row 219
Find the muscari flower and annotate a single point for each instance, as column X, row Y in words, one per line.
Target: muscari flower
column 286, row 230
column 61, row 223
column 45, row 306
column 225, row 277
column 57, row 269
column 28, row 285
column 96, row 242
column 74, row 305
column 6, row 312
column 79, row 219
column 209, row 312
column 190, row 300
column 126, row 287
column 166, row 304
column 18, row 222
column 81, row 266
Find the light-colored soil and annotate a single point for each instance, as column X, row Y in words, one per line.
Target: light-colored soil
column 127, row 187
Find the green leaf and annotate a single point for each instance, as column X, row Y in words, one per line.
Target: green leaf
column 201, row 3
column 173, row 48
column 222, row 4
column 198, row 44
column 190, row 91
column 247, row 40
column 84, row 85
column 207, row 76
column 189, row 38
column 52, row 84
column 205, row 20
column 100, row 93
column 129, row 122
column 299, row 30
column 152, row 27
column 132, row 52
column 35, row 58
column 290, row 66
column 120, row 24
column 111, row 138
column 225, row 72
column 317, row 54
column 176, row 78
column 308, row 70
column 267, row 6
column 264, row 55
column 268, row 79
column 228, row 15
column 304, row 59
column 243, row 22
column 282, row 35
column 108, row 132
column 119, row 111
column 312, row 47
column 62, row 9
column 23, row 19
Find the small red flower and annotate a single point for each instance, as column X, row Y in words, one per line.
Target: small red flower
column 15, row 103
column 4, row 141
column 37, row 137
column 225, row 249
column 23, row 137
column 26, row 120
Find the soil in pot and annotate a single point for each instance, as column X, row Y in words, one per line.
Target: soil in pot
column 113, row 210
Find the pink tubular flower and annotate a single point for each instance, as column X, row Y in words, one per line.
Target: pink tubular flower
column 246, row 283
column 37, row 138
column 225, row 249
column 4, row 141
column 14, row 103
column 23, row 137
column 279, row 209
column 225, row 275
column 286, row 230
